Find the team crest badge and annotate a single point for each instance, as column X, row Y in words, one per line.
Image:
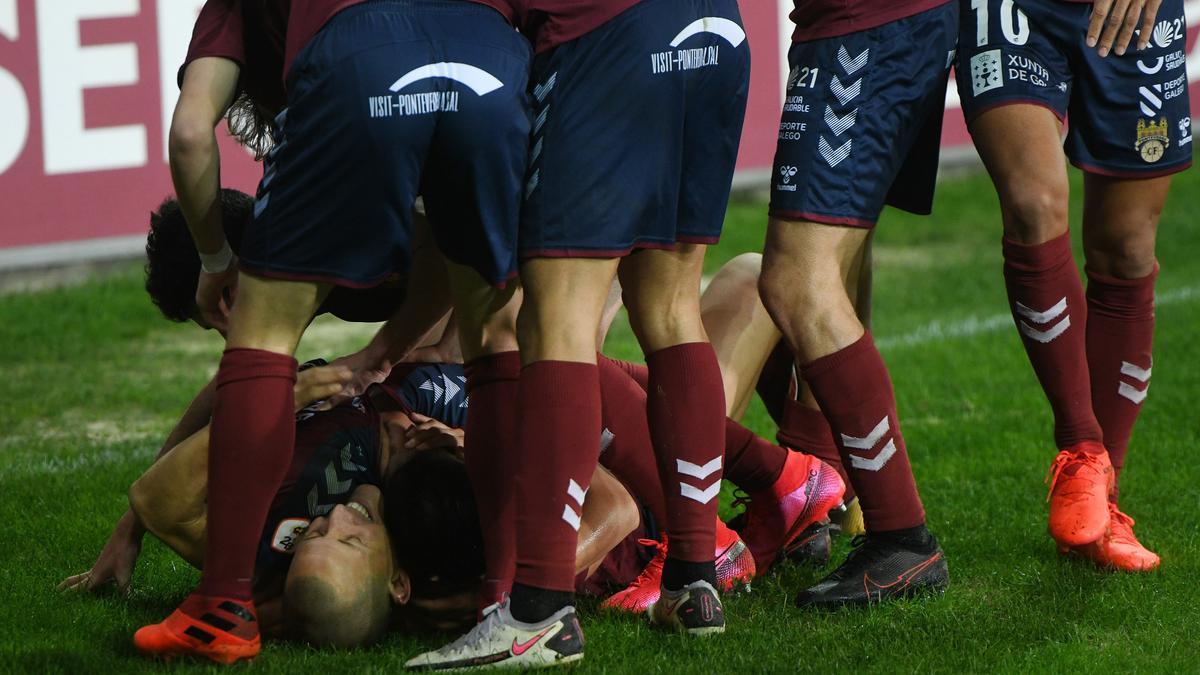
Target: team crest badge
column 1152, row 140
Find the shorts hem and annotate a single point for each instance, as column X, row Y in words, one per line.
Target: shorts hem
column 1156, row 172
column 314, row 277
column 596, row 252
column 976, row 112
column 844, row 221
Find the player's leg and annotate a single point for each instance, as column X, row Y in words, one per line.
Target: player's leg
column 687, row 407
column 252, row 436
column 739, row 328
column 559, row 403
column 1119, row 225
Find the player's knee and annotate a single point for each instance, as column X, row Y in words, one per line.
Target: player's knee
column 142, row 503
column 1130, row 257
column 1036, row 212
column 786, row 289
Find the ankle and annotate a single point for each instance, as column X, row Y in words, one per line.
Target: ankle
column 918, row 538
column 680, row 573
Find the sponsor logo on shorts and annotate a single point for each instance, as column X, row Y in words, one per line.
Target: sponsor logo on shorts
column 287, row 533
column 679, row 60
column 786, row 173
column 1152, row 141
column 1024, row 69
column 1168, row 62
column 987, row 72
column 1167, row 31
column 1185, row 131
column 401, row 104
column 1150, row 99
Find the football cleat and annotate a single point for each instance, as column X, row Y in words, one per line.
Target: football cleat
column 500, row 641
column 225, row 632
column 1118, row 548
column 733, row 561
column 1080, row 479
column 802, row 495
column 695, row 609
column 812, row 548
column 848, row 520
column 878, row 570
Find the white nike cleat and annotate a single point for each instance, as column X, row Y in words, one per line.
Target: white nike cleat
column 500, row 641
column 695, row 609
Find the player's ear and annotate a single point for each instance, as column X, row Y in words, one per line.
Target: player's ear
column 401, row 587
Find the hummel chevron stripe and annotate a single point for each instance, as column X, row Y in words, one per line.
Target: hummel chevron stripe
column 852, row 64
column 880, row 460
column 867, row 442
column 1137, row 373
column 695, row 470
column 838, row 125
column 1132, row 393
column 703, row 496
column 1043, row 317
column 832, row 156
column 1047, row 335
column 845, row 94
column 571, row 517
column 577, row 493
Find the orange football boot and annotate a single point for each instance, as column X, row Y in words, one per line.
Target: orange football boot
column 1118, row 549
column 226, row 632
column 1080, row 479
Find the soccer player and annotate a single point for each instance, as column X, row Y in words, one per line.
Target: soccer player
column 638, row 107
column 382, row 99
column 1024, row 69
column 860, row 127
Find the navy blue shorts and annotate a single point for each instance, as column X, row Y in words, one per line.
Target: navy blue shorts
column 862, row 121
column 389, row 100
column 636, row 131
column 1128, row 115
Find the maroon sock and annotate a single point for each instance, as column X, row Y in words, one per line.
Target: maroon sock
column 686, row 410
column 1051, row 314
column 252, row 437
column 751, row 462
column 853, row 389
column 776, row 383
column 625, row 446
column 806, row 429
column 492, row 425
column 558, row 432
column 1120, row 332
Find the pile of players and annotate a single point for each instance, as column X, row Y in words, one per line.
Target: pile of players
column 596, row 142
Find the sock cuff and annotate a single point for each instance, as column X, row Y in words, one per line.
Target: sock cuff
column 492, row 368
column 1037, row 258
column 858, row 349
column 1121, row 297
column 239, row 364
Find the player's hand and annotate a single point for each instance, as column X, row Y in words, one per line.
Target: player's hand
column 114, row 566
column 366, row 368
column 322, row 383
column 1113, row 22
column 427, row 433
column 215, row 294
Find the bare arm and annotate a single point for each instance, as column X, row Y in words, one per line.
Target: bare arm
column 609, row 515
column 208, row 89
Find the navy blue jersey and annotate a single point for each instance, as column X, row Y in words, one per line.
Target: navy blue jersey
column 336, row 451
column 435, row 390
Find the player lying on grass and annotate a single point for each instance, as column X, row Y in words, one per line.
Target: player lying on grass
column 327, row 570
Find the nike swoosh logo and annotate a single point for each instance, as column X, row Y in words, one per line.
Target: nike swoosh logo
column 519, row 648
column 904, row 578
column 671, row 606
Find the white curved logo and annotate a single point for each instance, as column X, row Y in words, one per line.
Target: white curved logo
column 727, row 29
column 478, row 80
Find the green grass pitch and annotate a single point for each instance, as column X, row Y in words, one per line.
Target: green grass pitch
column 95, row 379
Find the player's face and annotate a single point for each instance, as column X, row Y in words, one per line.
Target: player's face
column 348, row 546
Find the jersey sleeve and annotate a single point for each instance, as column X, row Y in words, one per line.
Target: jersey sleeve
column 218, row 32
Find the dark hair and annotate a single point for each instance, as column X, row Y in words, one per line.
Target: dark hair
column 172, row 264
column 429, row 510
column 250, row 125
